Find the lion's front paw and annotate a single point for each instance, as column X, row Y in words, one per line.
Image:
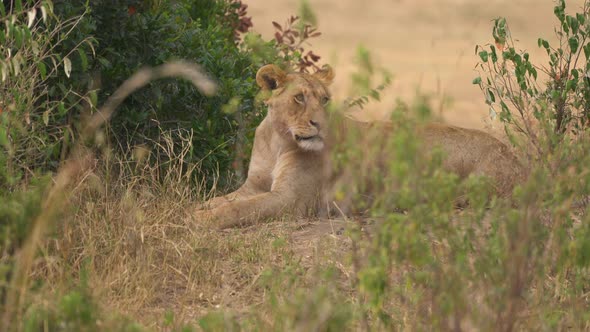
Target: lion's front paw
column 202, row 215
column 213, row 203
column 224, row 217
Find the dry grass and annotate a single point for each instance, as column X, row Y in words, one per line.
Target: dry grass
column 129, row 230
column 144, row 258
column 125, row 230
column 76, row 175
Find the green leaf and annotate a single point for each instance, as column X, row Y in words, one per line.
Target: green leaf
column 499, row 31
column 573, row 23
column 4, row 141
column 42, row 69
column 27, row 35
column 483, row 55
column 559, row 11
column 533, row 71
column 575, row 73
column 490, row 97
column 505, row 115
column 477, row 80
column 493, row 53
column 18, row 37
column 83, row 59
column 93, row 98
column 62, row 88
column 61, row 108
column 573, row 43
column 570, row 85
column 104, row 62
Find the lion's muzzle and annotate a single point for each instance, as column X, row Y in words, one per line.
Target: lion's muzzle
column 310, row 143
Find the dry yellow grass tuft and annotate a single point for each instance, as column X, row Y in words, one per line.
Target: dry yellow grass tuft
column 128, row 230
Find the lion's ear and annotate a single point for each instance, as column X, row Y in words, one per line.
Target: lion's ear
column 270, row 77
column 325, row 75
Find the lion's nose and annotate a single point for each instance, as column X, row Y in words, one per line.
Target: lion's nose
column 315, row 124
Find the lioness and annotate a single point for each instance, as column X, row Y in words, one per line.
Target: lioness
column 290, row 166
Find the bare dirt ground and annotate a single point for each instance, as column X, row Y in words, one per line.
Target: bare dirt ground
column 426, row 44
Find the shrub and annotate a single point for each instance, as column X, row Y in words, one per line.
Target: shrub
column 84, row 51
column 507, row 264
column 50, row 66
column 543, row 103
column 133, row 34
column 34, row 131
column 500, row 264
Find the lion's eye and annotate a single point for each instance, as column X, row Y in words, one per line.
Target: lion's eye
column 325, row 100
column 299, row 98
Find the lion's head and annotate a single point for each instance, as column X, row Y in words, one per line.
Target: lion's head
column 297, row 105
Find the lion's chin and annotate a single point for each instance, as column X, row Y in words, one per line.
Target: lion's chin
column 314, row 143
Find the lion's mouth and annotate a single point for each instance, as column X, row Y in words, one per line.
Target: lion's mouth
column 307, row 138
column 310, row 143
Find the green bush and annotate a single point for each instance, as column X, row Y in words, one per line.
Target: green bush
column 31, row 140
column 74, row 311
column 132, row 34
column 501, row 264
column 33, row 127
column 545, row 103
column 59, row 61
column 83, row 51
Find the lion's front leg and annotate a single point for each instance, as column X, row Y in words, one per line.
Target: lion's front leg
column 295, row 188
column 216, row 202
column 245, row 191
column 248, row 211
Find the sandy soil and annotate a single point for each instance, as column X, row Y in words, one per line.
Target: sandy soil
column 426, row 44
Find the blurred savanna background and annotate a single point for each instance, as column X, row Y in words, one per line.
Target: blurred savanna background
column 119, row 117
column 427, row 45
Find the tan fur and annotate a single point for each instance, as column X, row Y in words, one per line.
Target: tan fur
column 290, row 169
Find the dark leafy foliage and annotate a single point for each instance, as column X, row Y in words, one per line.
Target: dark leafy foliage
column 132, row 34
